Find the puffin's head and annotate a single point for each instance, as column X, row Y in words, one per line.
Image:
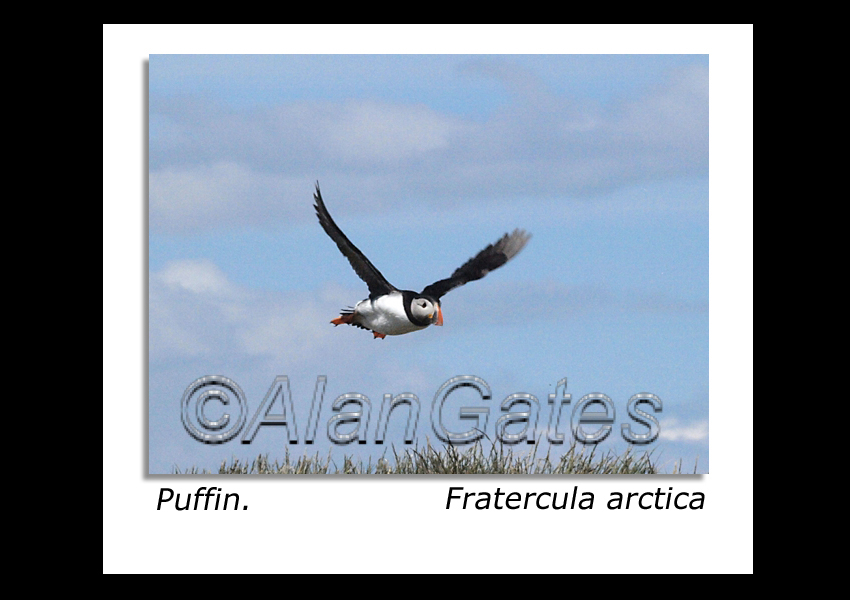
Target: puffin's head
column 428, row 309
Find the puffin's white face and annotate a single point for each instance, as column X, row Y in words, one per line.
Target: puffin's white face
column 422, row 308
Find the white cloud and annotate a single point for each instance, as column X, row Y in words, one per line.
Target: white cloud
column 371, row 132
column 214, row 196
column 198, row 276
column 211, row 166
column 673, row 431
column 196, row 312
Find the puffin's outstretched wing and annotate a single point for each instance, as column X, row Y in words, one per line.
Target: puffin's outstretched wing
column 378, row 286
column 492, row 257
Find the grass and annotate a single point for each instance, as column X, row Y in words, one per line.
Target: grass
column 452, row 461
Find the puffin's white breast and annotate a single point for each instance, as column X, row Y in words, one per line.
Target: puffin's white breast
column 385, row 315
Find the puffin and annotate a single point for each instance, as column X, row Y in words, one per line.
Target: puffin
column 391, row 311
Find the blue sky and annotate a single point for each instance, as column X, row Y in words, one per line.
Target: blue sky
column 423, row 161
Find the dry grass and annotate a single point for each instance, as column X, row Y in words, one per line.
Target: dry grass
column 449, row 460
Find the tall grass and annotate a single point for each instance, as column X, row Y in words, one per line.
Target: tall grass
column 450, row 460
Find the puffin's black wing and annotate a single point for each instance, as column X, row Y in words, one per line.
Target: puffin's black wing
column 492, row 257
column 378, row 286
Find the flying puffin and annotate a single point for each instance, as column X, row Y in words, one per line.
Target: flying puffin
column 390, row 311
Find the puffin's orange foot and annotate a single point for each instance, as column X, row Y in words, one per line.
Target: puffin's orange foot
column 379, row 335
column 343, row 319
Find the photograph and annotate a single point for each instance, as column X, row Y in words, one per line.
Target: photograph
column 417, row 264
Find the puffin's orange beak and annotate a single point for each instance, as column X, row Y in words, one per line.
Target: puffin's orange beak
column 439, row 316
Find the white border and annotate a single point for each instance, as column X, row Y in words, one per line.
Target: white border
column 322, row 524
